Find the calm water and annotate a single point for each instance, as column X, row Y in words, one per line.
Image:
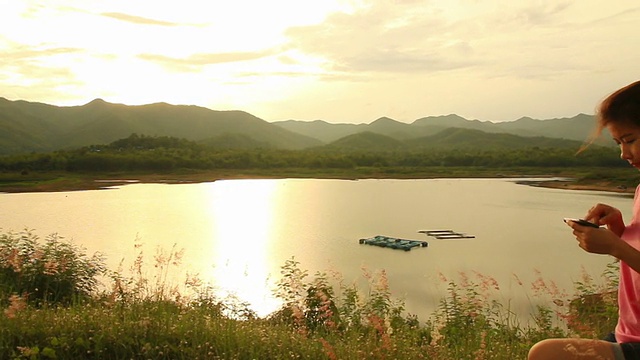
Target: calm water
column 236, row 234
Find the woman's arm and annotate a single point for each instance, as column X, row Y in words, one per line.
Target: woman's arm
column 605, row 241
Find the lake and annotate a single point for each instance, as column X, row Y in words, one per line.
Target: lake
column 236, row 234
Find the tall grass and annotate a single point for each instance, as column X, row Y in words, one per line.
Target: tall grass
column 55, row 271
column 136, row 315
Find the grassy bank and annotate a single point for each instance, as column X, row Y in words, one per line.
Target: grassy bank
column 607, row 179
column 54, row 308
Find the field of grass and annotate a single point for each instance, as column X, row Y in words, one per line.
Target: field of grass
column 54, row 307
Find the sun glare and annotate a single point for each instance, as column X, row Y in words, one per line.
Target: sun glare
column 242, row 212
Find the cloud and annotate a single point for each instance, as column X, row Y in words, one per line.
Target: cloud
column 382, row 38
column 16, row 54
column 32, row 64
column 138, row 19
column 42, row 70
column 195, row 62
column 25, row 74
column 536, row 15
column 402, row 61
column 518, row 40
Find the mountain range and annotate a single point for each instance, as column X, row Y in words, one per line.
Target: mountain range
column 37, row 127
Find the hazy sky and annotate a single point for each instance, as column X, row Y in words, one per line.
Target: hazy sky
column 340, row 61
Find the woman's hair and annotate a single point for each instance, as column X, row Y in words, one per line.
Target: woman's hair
column 621, row 107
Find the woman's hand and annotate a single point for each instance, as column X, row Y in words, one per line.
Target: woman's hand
column 596, row 240
column 603, row 214
column 605, row 241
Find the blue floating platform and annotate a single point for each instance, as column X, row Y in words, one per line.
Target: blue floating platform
column 393, row 242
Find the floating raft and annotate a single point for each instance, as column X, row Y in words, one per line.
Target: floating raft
column 446, row 234
column 393, row 243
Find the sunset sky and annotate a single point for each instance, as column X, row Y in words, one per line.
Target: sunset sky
column 339, row 61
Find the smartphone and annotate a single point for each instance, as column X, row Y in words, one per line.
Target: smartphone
column 582, row 222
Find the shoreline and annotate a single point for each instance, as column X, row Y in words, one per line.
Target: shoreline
column 572, row 185
column 60, row 183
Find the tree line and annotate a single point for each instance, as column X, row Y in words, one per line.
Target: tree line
column 163, row 153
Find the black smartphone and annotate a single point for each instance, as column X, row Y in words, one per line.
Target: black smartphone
column 582, row 222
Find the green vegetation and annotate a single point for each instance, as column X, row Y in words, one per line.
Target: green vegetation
column 133, row 316
column 143, row 153
column 53, row 272
column 35, row 127
column 185, row 160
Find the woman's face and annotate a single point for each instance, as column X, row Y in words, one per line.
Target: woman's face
column 627, row 136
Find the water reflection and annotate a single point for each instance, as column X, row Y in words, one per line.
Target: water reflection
column 237, row 234
column 242, row 214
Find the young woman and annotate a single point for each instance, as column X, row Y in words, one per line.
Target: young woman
column 619, row 113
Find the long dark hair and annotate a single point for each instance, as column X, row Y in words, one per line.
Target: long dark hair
column 621, row 107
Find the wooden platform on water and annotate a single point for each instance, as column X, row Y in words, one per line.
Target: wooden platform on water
column 393, row 243
column 446, row 234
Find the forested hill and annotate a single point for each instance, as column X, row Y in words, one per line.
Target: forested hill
column 447, row 140
column 579, row 127
column 27, row 126
column 358, row 152
column 35, row 127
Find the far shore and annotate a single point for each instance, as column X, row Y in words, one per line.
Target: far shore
column 572, row 185
column 57, row 182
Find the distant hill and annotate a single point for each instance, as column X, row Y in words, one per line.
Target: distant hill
column 234, row 141
column 328, row 132
column 448, row 139
column 457, row 138
column 577, row 128
column 366, row 141
column 27, row 126
column 36, row 127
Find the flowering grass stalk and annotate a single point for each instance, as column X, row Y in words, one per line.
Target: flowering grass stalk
column 55, row 271
column 143, row 315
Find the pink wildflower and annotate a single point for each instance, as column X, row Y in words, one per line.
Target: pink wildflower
column 517, row 279
column 442, row 277
column 16, row 304
column 328, row 349
column 15, row 261
column 50, row 267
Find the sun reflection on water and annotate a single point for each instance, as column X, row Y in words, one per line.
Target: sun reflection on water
column 242, row 217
